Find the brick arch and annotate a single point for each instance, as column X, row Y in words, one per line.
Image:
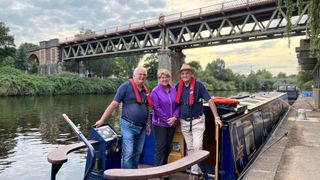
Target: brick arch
column 33, row 56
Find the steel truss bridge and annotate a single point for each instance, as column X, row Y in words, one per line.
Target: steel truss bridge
column 225, row 23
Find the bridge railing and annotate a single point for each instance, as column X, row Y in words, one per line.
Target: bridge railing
column 210, row 9
column 163, row 19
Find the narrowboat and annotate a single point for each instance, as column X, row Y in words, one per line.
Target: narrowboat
column 246, row 128
column 291, row 90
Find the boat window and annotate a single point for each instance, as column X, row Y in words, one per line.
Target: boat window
column 266, row 116
column 249, row 137
column 257, row 118
column 250, row 101
column 258, row 128
column 282, row 88
column 291, row 88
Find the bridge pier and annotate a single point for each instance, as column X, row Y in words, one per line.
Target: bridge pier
column 316, row 87
column 308, row 61
column 171, row 60
column 49, row 56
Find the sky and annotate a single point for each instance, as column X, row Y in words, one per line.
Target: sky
column 33, row 21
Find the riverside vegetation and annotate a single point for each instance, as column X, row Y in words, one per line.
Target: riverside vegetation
column 14, row 82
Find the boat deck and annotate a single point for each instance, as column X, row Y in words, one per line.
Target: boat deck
column 296, row 156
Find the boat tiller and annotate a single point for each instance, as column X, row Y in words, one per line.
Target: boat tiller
column 107, row 151
column 105, row 154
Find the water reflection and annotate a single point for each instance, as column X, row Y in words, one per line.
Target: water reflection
column 31, row 127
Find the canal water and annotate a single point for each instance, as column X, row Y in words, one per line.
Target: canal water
column 31, row 127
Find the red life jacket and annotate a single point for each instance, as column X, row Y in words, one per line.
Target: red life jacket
column 223, row 100
column 137, row 94
column 191, row 93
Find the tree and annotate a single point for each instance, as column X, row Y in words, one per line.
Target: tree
column 228, row 75
column 21, row 61
column 71, row 65
column 152, row 64
column 33, row 67
column 102, row 67
column 196, row 65
column 281, row 75
column 217, row 68
column 125, row 65
column 240, row 81
column 7, row 47
column 253, row 82
column 303, row 77
column 8, row 61
column 84, row 32
column 264, row 73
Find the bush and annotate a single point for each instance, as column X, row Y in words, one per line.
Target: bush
column 14, row 82
column 307, row 85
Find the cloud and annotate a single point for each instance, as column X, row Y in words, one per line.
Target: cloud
column 272, row 55
column 37, row 20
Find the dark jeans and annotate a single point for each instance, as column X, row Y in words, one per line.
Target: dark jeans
column 163, row 138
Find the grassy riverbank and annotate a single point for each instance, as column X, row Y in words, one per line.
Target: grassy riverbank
column 14, row 82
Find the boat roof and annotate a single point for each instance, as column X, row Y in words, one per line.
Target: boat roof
column 259, row 99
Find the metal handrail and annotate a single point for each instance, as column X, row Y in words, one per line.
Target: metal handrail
column 86, row 142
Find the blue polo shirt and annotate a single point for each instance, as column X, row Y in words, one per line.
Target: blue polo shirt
column 200, row 92
column 131, row 109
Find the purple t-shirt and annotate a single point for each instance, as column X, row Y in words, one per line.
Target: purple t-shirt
column 164, row 105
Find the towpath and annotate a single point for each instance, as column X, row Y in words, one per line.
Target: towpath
column 295, row 156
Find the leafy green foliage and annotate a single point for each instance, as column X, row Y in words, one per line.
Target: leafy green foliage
column 264, row 73
column 14, row 82
column 313, row 22
column 314, row 26
column 125, row 65
column 152, row 64
column 102, row 67
column 281, row 75
column 218, row 77
column 7, row 49
column 304, row 77
column 196, row 65
column 84, row 32
column 289, row 5
column 33, row 69
column 217, row 69
column 21, row 61
column 299, row 6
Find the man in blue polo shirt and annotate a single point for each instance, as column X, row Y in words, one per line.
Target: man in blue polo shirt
column 134, row 120
column 190, row 93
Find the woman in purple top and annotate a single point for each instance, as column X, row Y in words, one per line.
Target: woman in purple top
column 165, row 116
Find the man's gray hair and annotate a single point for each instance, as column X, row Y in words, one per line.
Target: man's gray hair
column 139, row 68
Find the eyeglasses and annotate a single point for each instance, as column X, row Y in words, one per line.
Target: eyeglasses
column 141, row 74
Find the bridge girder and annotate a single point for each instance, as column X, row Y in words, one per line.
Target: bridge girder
column 242, row 25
